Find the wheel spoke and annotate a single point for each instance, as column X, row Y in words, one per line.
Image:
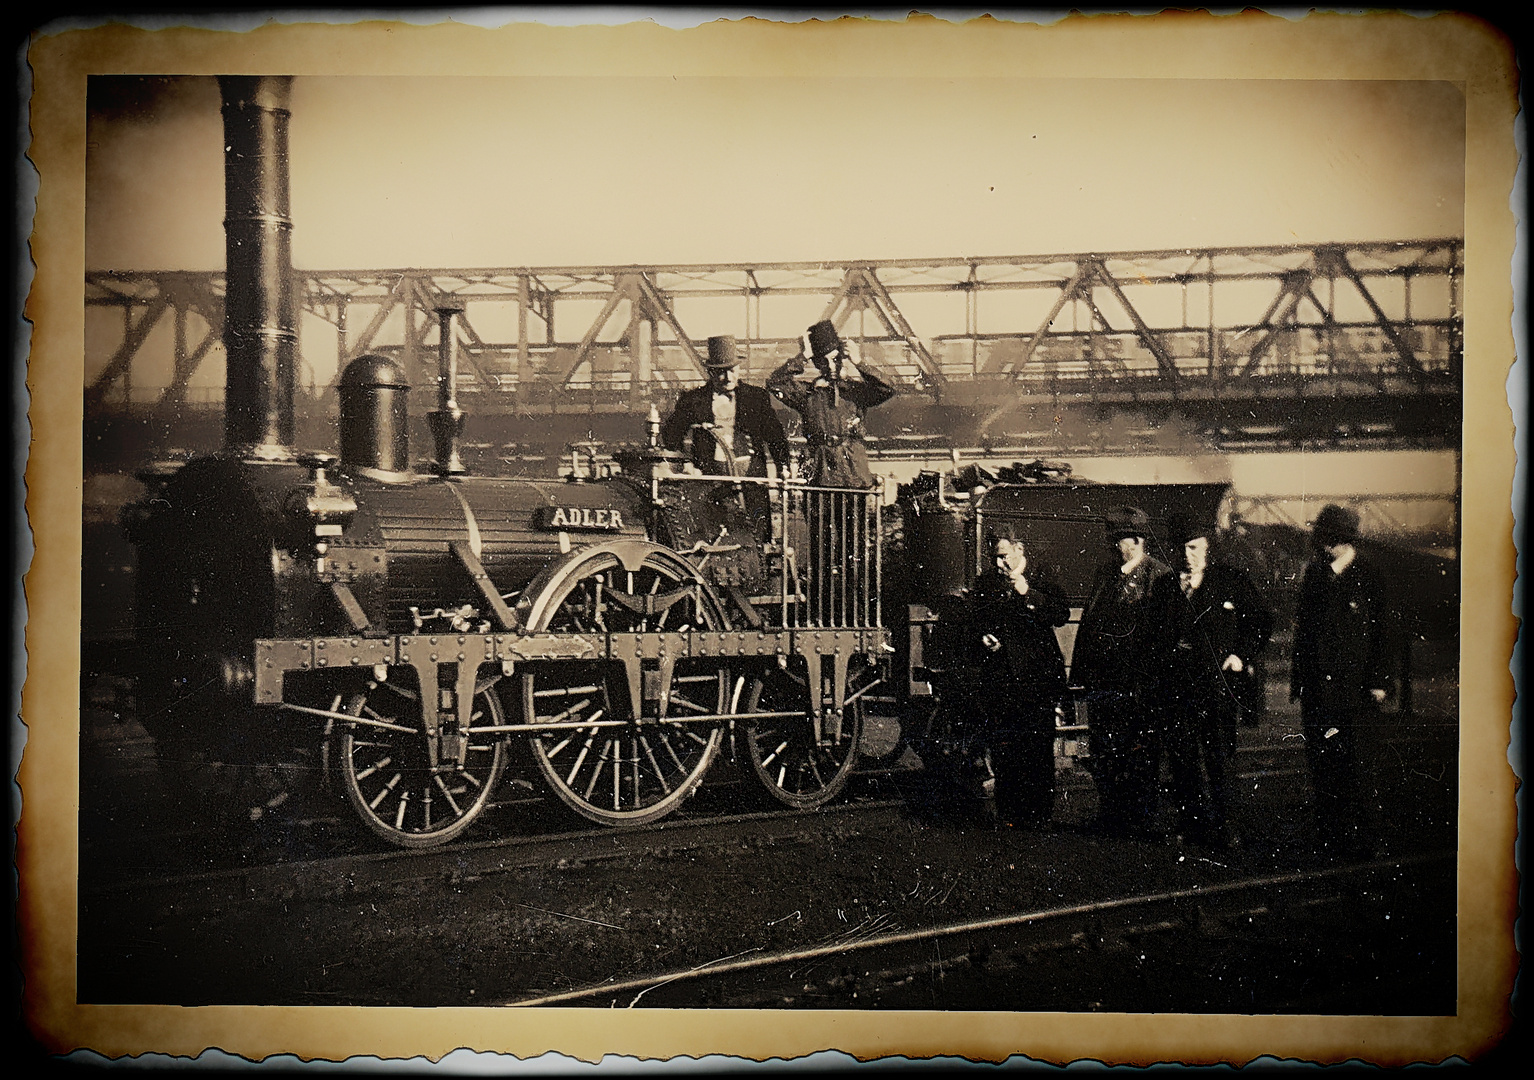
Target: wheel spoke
column 793, row 768
column 429, row 805
column 655, row 765
column 652, row 769
column 448, row 795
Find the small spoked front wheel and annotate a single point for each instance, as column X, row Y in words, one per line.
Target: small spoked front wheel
column 798, row 766
column 387, row 774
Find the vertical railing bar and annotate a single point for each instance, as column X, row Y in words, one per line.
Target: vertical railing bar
column 826, row 542
column 828, row 611
column 879, row 562
column 869, row 563
column 839, row 557
column 860, row 545
column 783, row 551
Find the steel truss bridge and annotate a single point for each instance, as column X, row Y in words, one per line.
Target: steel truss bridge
column 1353, row 339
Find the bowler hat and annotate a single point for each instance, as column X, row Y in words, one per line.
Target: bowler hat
column 1122, row 521
column 1336, row 524
column 824, row 339
column 1182, row 528
column 722, row 352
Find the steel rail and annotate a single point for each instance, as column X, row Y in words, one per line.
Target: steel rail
column 459, row 857
column 794, row 956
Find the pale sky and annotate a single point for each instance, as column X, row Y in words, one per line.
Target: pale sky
column 545, row 171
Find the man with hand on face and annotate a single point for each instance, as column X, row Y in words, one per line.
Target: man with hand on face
column 1210, row 625
column 832, row 408
column 1340, row 674
column 1016, row 611
column 1112, row 660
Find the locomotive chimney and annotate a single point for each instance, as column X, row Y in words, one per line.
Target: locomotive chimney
column 260, row 321
column 447, row 421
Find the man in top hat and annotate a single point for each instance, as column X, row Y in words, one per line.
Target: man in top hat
column 1112, row 660
column 1340, row 673
column 735, row 431
column 1210, row 627
column 832, row 408
column 1022, row 674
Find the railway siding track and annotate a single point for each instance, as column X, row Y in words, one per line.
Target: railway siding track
column 906, row 968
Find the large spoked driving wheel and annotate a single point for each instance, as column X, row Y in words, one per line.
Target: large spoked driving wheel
column 795, row 767
column 386, row 770
column 608, row 758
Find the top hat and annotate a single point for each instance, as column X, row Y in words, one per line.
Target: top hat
column 1182, row 528
column 722, row 352
column 824, row 339
column 1335, row 525
column 1122, row 521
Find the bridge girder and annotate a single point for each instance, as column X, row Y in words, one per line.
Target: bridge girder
column 1050, row 327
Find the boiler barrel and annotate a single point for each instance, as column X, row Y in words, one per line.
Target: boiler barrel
column 505, row 522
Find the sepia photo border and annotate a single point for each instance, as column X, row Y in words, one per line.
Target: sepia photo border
column 1253, row 45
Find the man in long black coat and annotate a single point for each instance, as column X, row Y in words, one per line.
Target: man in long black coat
column 1112, row 660
column 1210, row 626
column 734, row 429
column 1022, row 679
column 1341, row 674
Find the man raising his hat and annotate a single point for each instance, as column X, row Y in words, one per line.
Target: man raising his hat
column 1210, row 625
column 832, row 409
column 734, row 428
column 1340, row 673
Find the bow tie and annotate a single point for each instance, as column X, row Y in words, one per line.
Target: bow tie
column 724, row 393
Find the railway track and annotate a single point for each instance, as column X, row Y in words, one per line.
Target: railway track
column 348, row 875
column 873, row 966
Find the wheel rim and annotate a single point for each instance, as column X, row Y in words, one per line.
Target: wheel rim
column 387, row 775
column 792, row 766
column 603, row 761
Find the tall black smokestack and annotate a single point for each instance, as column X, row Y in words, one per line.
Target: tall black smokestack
column 260, row 317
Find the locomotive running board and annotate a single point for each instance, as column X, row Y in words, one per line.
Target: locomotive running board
column 428, row 653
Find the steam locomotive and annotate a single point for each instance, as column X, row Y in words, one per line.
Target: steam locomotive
column 623, row 623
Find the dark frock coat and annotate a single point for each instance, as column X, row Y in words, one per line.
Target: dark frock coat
column 1113, row 660
column 1340, row 637
column 1192, row 636
column 1112, row 650
column 758, row 431
column 1196, row 701
column 1341, row 653
column 1022, row 683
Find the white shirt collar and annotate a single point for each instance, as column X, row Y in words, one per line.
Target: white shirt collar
column 1345, row 560
column 1129, row 567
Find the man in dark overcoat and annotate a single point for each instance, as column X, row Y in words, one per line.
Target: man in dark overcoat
column 1340, row 675
column 832, row 408
column 735, row 430
column 1022, row 671
column 1210, row 627
column 1111, row 661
